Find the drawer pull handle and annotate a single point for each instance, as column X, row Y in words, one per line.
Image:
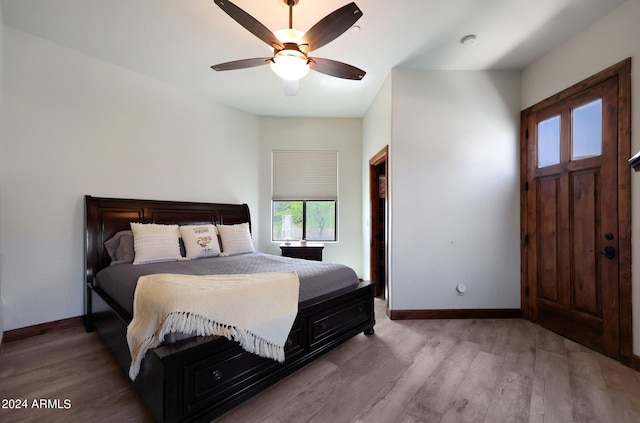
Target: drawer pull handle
column 323, row 326
column 216, row 375
column 289, row 342
column 359, row 309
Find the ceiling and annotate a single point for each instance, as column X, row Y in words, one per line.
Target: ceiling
column 176, row 41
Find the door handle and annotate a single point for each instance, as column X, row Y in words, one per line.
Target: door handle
column 609, row 252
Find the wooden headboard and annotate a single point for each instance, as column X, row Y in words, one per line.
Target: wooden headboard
column 106, row 216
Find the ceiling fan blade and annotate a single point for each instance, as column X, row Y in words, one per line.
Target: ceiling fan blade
column 331, row 27
column 241, row 64
column 250, row 23
column 335, row 68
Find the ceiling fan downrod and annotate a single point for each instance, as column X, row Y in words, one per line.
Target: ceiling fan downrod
column 291, row 3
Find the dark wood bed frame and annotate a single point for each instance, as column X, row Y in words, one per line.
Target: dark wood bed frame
column 201, row 378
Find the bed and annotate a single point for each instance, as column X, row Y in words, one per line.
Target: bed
column 201, row 378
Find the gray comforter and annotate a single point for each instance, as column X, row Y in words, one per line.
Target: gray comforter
column 316, row 278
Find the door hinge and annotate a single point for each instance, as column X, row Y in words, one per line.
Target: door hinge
column 526, row 291
column 526, row 186
column 526, row 134
column 526, row 239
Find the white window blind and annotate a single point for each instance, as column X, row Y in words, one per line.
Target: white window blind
column 304, row 175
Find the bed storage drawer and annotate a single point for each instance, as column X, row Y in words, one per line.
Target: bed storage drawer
column 329, row 323
column 294, row 345
column 214, row 378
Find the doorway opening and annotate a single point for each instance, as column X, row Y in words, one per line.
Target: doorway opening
column 378, row 187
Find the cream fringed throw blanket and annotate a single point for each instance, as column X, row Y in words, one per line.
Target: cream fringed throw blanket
column 257, row 310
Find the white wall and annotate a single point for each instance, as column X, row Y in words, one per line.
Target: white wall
column 342, row 135
column 75, row 125
column 454, row 179
column 376, row 134
column 607, row 42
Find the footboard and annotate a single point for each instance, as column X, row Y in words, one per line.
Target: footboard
column 200, row 379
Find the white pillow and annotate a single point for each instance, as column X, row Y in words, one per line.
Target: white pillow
column 153, row 242
column 200, row 240
column 236, row 239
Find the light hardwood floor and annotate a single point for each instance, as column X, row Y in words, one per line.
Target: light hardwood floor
column 489, row 371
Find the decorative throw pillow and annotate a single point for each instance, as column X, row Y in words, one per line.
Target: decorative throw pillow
column 236, row 239
column 200, row 240
column 120, row 247
column 153, row 242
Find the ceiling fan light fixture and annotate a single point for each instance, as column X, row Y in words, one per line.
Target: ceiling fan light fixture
column 290, row 65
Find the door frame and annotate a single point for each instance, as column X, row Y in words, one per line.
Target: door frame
column 622, row 71
column 381, row 157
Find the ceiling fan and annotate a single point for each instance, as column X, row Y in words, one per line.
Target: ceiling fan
column 291, row 47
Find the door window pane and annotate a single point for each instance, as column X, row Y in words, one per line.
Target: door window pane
column 587, row 130
column 549, row 142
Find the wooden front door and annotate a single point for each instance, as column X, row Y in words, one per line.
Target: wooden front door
column 575, row 236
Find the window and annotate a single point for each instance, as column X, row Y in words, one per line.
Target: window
column 310, row 220
column 587, row 130
column 549, row 142
column 304, row 195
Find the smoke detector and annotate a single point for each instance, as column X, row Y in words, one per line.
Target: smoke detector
column 468, row 40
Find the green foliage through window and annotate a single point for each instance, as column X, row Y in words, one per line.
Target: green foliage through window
column 310, row 220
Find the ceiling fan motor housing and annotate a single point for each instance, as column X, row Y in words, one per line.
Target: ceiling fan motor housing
column 292, row 46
